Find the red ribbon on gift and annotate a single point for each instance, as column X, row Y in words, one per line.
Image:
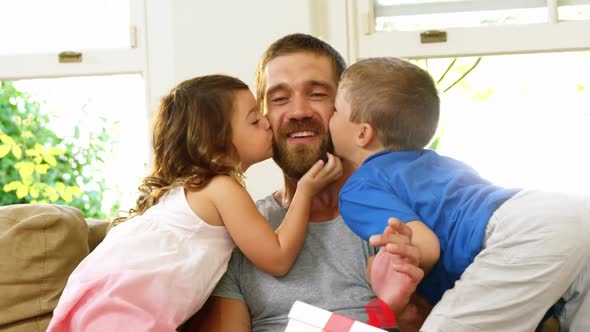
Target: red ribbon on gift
column 338, row 323
column 379, row 313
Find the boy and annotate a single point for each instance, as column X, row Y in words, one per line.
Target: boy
column 506, row 255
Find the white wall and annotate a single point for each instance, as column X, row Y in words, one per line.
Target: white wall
column 187, row 38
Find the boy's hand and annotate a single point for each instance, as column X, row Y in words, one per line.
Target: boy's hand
column 320, row 175
column 394, row 273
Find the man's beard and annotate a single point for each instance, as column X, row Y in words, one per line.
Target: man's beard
column 299, row 158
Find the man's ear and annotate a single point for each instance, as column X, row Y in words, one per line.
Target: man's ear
column 365, row 135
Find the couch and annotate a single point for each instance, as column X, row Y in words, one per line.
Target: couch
column 40, row 245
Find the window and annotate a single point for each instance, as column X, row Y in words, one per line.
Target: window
column 84, row 62
column 50, row 26
column 520, row 120
column 100, row 110
column 521, row 116
column 407, row 15
column 440, row 28
column 107, row 34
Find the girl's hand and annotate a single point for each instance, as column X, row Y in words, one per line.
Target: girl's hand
column 320, row 175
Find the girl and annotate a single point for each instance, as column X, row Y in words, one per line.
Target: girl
column 155, row 270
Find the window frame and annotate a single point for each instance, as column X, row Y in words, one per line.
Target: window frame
column 131, row 60
column 553, row 36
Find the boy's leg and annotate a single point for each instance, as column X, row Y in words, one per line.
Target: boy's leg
column 536, row 245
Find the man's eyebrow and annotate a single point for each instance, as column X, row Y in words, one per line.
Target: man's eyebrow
column 312, row 83
column 322, row 84
column 275, row 88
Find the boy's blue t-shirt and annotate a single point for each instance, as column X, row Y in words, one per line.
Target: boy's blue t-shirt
column 445, row 194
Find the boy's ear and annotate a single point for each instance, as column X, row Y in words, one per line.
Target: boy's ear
column 365, row 135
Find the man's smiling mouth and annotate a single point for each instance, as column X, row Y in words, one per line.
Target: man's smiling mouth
column 302, row 134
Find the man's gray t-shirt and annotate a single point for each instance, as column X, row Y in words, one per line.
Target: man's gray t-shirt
column 330, row 273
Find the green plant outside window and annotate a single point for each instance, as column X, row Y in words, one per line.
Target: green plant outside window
column 39, row 166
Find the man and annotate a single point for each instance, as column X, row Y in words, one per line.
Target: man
column 296, row 84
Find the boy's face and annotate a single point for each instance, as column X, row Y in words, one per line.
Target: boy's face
column 342, row 129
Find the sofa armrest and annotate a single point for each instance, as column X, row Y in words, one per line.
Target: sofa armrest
column 40, row 245
column 97, row 230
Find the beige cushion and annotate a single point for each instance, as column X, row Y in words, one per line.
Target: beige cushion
column 40, row 245
column 97, row 230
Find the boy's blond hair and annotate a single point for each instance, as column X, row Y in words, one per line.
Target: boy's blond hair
column 396, row 97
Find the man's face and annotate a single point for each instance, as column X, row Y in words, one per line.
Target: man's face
column 300, row 91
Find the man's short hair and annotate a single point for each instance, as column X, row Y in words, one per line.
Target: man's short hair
column 290, row 44
column 399, row 99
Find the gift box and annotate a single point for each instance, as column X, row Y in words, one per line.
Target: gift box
column 304, row 317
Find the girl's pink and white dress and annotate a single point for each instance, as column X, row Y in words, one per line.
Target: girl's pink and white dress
column 150, row 273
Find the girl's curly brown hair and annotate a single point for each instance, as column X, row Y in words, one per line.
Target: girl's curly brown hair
column 192, row 139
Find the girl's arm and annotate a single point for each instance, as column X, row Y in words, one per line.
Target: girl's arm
column 273, row 252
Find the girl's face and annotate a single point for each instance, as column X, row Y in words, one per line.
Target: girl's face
column 252, row 136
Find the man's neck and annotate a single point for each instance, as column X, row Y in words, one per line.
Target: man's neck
column 324, row 205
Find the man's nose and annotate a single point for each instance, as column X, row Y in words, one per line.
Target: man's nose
column 301, row 109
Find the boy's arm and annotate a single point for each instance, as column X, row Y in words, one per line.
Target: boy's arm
column 394, row 275
column 421, row 247
column 424, row 239
column 367, row 204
